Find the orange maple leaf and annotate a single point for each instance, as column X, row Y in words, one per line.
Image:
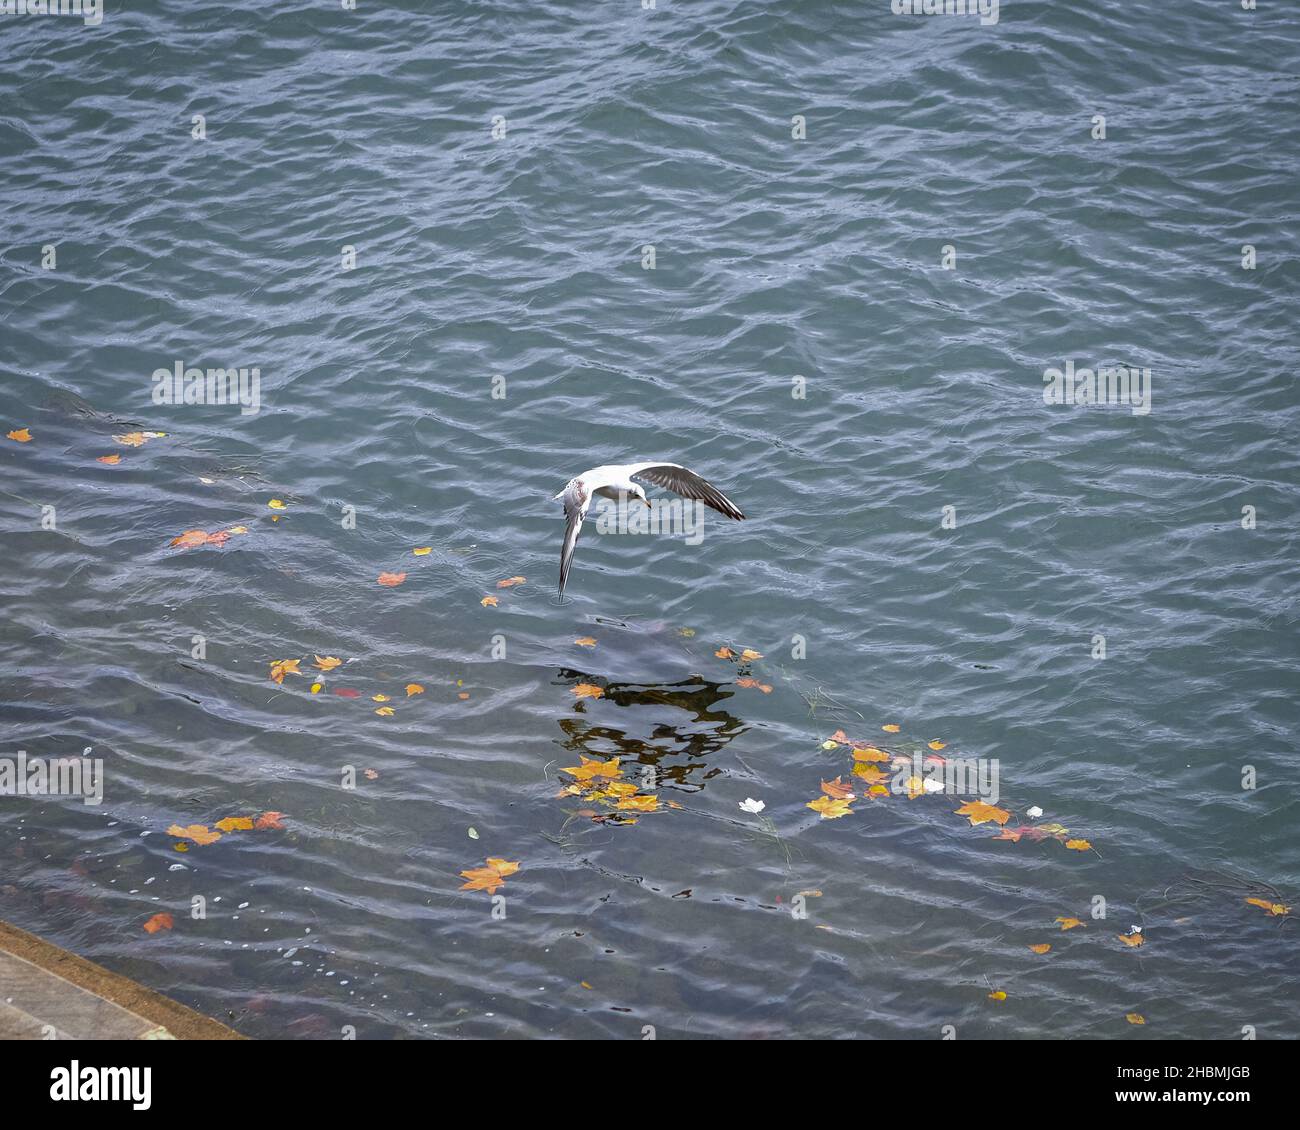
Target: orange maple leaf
column 282, row 667
column 1131, row 939
column 160, row 921
column 327, row 662
column 413, row 689
column 590, row 769
column 890, row 728
column 1041, row 947
column 269, row 820
column 1069, row 923
column 870, row 753
column 489, row 878
column 108, row 459
column 725, row 653
column 748, row 682
column 585, row 641
column 19, row 435
column 587, row 690
column 391, row 580
column 980, row 813
column 837, row 789
column 190, row 539
column 830, row 808
column 235, row 824
column 510, row 582
column 645, row 803
column 490, row 601
column 131, row 439
column 1078, row 845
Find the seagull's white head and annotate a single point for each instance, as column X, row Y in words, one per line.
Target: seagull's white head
column 638, row 491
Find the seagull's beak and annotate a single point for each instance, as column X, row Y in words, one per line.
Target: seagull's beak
column 646, row 501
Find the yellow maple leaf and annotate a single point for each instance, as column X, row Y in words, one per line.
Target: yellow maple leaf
column 869, row 773
column 1041, row 947
column 870, row 753
column 750, row 653
column 890, row 728
column 413, row 689
column 386, row 711
column 591, row 769
column 316, row 688
column 131, row 439
column 980, row 813
column 282, row 667
column 1135, row 1018
column 276, row 504
column 1078, row 845
column 830, row 808
column 199, row 833
column 423, row 551
column 915, row 787
column 585, row 641
column 586, row 690
column 645, row 803
column 997, row 995
column 236, row 824
column 937, row 745
column 490, row 601
column 378, row 698
column 327, row 662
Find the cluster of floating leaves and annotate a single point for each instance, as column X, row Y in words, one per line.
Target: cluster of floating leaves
column 837, row 796
column 323, row 663
column 202, row 835
column 609, row 799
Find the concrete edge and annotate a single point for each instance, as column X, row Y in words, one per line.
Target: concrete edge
column 182, row 1023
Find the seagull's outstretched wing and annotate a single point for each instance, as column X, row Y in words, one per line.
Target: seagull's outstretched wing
column 576, row 500
column 682, row 480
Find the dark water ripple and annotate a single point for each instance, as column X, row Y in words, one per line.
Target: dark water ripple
column 775, row 258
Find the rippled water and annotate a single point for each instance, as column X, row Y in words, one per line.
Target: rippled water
column 775, row 258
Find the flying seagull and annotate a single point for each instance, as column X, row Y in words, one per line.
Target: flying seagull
column 617, row 479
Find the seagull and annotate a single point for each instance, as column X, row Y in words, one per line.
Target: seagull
column 614, row 480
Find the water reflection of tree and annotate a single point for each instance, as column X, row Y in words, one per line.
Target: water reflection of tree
column 679, row 727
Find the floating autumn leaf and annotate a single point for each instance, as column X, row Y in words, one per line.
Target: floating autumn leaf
column 915, row 786
column 725, row 653
column 236, row 824
column 19, row 435
column 1069, row 923
column 594, row 769
column 160, row 921
column 585, row 641
column 980, row 813
column 587, row 690
column 1078, row 845
column 463, row 695
column 237, row 530
column 110, row 459
column 423, row 551
column 189, row 539
column 997, row 995
column 828, row 744
column 378, row 698
column 1274, row 908
column 490, row 601
column 327, row 662
column 890, row 728
column 870, row 753
column 391, row 580
column 269, row 820
column 489, row 878
column 749, row 653
column 199, row 833
column 1131, row 939
column 869, row 773
column 276, row 504
column 645, row 803
column 510, row 582
column 131, row 439
column 316, row 688
column 282, row 667
column 386, row 711
column 1135, row 1018
column 413, row 689
column 766, row 688
column 370, row 774
column 1041, row 947
column 937, row 744
column 837, row 789
column 829, row 808
column 346, row 692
